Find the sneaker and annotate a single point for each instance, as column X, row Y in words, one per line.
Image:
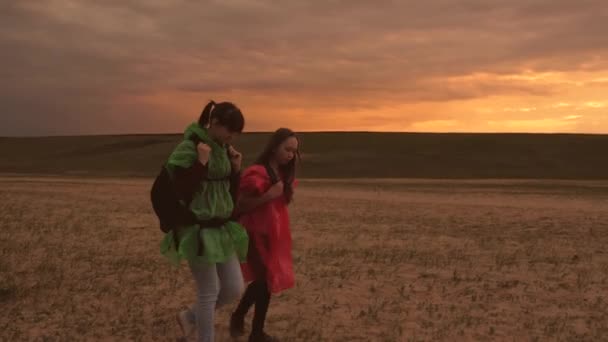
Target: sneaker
column 263, row 337
column 186, row 324
column 237, row 326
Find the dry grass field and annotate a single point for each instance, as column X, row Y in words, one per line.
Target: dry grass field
column 376, row 260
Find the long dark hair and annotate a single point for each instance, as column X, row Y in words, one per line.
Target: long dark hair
column 289, row 170
column 227, row 114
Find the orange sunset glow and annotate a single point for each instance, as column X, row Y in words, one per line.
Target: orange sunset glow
column 113, row 67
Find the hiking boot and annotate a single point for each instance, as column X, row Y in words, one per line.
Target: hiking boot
column 263, row 337
column 186, row 324
column 237, row 326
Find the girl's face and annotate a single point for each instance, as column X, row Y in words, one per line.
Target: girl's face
column 221, row 133
column 286, row 151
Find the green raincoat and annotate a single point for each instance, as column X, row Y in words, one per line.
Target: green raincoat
column 211, row 199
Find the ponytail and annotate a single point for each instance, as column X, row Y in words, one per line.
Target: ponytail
column 224, row 114
column 205, row 117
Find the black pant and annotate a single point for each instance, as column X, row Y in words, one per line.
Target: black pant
column 257, row 293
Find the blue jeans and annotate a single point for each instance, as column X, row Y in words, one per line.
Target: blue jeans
column 216, row 285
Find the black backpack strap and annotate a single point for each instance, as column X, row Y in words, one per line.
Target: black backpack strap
column 229, row 155
column 195, row 139
column 274, row 179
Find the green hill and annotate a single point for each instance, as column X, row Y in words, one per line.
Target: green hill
column 332, row 155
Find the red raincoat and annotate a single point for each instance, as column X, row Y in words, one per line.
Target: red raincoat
column 269, row 256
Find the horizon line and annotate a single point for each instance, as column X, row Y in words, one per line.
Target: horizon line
column 305, row 131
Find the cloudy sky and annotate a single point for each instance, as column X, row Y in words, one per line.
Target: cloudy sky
column 125, row 66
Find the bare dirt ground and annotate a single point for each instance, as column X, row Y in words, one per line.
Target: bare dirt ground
column 391, row 260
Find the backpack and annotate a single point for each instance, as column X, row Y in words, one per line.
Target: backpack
column 165, row 202
column 171, row 211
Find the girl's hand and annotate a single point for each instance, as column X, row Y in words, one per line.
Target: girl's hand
column 236, row 158
column 275, row 190
column 203, row 151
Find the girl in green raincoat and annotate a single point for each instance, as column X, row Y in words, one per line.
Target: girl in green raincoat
column 205, row 171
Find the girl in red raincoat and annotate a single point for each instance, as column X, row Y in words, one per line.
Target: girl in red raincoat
column 266, row 189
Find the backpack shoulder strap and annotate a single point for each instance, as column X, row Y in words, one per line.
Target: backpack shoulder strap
column 274, row 179
column 195, row 139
